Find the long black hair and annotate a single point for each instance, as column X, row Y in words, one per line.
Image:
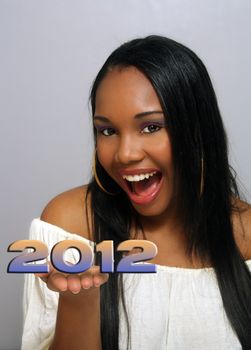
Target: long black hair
column 200, row 152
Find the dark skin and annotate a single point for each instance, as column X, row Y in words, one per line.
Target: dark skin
column 78, row 313
column 131, row 135
column 66, row 211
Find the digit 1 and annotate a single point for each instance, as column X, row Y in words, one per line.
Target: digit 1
column 85, row 260
column 107, row 260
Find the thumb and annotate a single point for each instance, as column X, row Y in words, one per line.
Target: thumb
column 44, row 275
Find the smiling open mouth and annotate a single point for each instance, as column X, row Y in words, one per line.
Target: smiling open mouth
column 145, row 186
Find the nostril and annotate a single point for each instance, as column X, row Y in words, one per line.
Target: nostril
column 126, row 154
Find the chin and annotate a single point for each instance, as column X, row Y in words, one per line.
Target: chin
column 150, row 211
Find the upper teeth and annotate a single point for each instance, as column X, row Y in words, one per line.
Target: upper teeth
column 139, row 177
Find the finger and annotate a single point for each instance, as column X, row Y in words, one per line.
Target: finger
column 42, row 276
column 100, row 279
column 87, row 276
column 57, row 282
column 86, row 280
column 74, row 283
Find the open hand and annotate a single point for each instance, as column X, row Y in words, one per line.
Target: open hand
column 62, row 282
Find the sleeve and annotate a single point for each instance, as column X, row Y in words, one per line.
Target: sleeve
column 39, row 302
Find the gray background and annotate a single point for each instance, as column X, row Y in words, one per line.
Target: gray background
column 50, row 51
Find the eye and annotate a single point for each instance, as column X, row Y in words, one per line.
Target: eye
column 106, row 131
column 151, row 128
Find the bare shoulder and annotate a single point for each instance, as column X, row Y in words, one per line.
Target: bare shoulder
column 68, row 211
column 241, row 219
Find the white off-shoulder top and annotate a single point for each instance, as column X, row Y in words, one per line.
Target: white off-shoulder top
column 173, row 309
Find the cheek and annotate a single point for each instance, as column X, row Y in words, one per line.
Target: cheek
column 104, row 155
column 163, row 152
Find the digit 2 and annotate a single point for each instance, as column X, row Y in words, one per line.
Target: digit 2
column 17, row 265
column 125, row 265
column 150, row 250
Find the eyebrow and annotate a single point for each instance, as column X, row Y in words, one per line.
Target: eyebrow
column 137, row 116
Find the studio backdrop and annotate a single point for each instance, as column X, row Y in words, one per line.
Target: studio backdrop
column 50, row 52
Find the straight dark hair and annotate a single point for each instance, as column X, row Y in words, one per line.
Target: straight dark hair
column 198, row 140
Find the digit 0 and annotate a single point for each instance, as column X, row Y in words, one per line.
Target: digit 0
column 86, row 256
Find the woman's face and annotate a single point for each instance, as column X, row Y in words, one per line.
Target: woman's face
column 132, row 140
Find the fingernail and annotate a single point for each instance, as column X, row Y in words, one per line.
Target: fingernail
column 75, row 292
column 86, row 287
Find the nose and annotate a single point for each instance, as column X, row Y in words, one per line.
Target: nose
column 129, row 151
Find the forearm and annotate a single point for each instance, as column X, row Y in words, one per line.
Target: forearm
column 78, row 322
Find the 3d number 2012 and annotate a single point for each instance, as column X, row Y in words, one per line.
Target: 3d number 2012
column 24, row 263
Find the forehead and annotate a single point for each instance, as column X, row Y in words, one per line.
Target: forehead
column 126, row 88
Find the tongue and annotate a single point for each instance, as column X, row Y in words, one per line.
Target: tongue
column 146, row 186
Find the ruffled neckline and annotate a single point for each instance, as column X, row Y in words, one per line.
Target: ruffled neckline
column 159, row 267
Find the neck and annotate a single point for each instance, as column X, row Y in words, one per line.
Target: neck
column 169, row 221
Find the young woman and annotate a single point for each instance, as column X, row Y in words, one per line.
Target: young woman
column 161, row 174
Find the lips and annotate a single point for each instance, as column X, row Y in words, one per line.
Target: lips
column 137, row 198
